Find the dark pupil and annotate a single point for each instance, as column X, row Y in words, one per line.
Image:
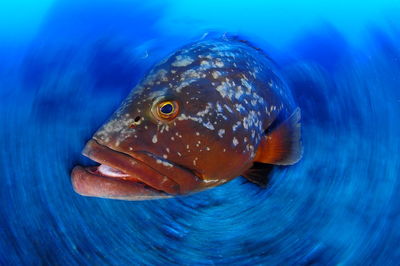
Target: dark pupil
column 167, row 109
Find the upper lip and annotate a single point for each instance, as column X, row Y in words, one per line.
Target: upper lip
column 145, row 167
column 136, row 169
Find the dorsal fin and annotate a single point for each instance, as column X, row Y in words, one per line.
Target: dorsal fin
column 282, row 146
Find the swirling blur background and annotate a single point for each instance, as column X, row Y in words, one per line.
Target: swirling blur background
column 66, row 65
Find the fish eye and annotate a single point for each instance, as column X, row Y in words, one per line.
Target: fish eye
column 167, row 109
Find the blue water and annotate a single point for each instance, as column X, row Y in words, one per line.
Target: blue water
column 66, row 65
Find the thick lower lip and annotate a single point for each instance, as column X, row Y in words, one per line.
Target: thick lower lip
column 119, row 176
column 87, row 183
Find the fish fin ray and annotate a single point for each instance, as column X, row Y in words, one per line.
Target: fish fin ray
column 259, row 173
column 283, row 145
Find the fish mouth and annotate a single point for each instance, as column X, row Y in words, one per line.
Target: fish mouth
column 133, row 176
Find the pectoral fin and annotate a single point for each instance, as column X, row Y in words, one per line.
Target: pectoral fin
column 282, row 146
column 259, row 174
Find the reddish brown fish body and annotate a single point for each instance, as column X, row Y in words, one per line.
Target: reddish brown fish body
column 196, row 121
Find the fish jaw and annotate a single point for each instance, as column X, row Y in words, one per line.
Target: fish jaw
column 86, row 183
column 121, row 176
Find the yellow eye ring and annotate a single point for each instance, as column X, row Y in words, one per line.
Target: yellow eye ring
column 167, row 110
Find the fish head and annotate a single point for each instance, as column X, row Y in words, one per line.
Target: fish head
column 174, row 134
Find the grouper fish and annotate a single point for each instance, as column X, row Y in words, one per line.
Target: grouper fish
column 214, row 110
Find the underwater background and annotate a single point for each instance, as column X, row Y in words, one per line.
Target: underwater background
column 67, row 65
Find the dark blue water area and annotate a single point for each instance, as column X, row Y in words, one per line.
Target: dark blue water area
column 338, row 205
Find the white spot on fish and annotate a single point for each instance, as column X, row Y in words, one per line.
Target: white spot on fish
column 182, row 61
column 193, row 118
column 240, row 108
column 205, row 111
column 235, row 141
column 221, row 133
column 191, row 73
column 228, row 108
column 184, row 84
column 216, row 74
column 236, row 125
column 208, row 125
column 239, row 92
column 219, row 63
column 198, row 143
column 223, row 89
column 205, row 63
column 219, row 108
column 154, row 140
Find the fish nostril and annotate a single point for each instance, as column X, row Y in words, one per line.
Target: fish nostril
column 136, row 122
